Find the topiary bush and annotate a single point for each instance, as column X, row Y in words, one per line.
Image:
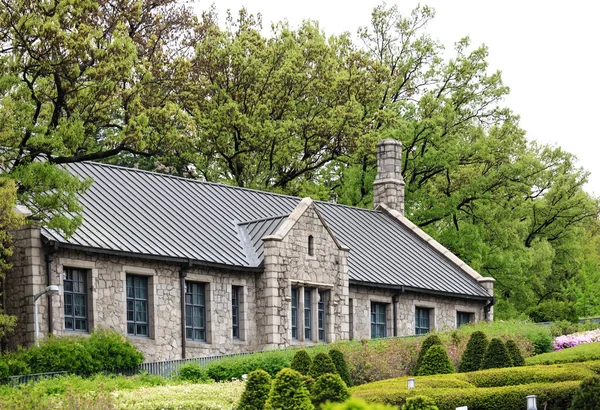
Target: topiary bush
column 341, row 366
column 329, row 387
column 431, row 340
column 473, row 354
column 192, row 372
column 436, row 361
column 322, row 364
column 112, row 350
column 258, row 387
column 357, row 404
column 496, row 356
column 515, row 354
column 309, row 382
column 301, row 362
column 288, row 392
column 587, row 396
column 419, row 403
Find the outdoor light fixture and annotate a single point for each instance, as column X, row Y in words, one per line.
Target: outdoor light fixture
column 531, row 403
column 411, row 383
column 50, row 290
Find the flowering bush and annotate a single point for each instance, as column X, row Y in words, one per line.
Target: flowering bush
column 565, row 341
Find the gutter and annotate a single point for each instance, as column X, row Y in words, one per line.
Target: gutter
column 50, row 248
column 182, row 275
column 403, row 289
column 488, row 307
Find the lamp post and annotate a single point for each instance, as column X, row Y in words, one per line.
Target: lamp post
column 50, row 290
column 531, row 403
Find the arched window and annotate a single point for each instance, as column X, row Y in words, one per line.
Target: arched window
column 311, row 245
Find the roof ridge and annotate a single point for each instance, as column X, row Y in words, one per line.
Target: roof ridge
column 262, row 219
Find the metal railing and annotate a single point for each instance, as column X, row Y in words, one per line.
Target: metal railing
column 26, row 378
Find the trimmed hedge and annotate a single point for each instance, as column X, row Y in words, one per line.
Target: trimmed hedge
column 357, row 404
column 558, row 396
column 234, row 367
column 588, row 395
column 192, row 372
column 496, row 356
column 257, row 391
column 581, row 353
column 473, row 354
column 301, row 362
column 515, row 354
column 435, row 361
column 322, row 364
column 288, row 392
column 329, row 387
column 512, row 376
column 431, row 340
column 419, row 403
column 341, row 366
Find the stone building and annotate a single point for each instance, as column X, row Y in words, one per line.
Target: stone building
column 187, row 268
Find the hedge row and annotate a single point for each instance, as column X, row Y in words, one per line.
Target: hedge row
column 581, row 353
column 557, row 395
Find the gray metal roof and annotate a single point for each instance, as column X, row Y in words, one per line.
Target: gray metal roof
column 138, row 212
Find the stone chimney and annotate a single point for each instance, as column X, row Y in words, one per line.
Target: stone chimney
column 388, row 187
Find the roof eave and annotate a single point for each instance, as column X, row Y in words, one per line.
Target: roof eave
column 403, row 289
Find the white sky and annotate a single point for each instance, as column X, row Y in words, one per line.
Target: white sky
column 548, row 52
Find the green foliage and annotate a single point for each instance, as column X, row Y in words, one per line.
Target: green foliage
column 588, row 395
column 511, row 376
column 552, row 311
column 429, row 341
column 234, row 367
column 102, row 350
column 257, row 391
column 473, row 354
column 301, row 362
column 4, row 372
column 419, row 403
column 309, row 383
column 192, row 372
column 288, row 392
column 341, row 366
column 436, row 361
column 329, row 387
column 515, row 353
column 356, row 404
column 581, row 353
column 322, row 364
column 496, row 356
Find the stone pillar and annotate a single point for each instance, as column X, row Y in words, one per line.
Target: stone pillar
column 271, row 301
column 388, row 187
column 488, row 284
column 26, row 278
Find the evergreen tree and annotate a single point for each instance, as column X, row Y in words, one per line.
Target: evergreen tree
column 473, row 354
column 515, row 353
column 341, row 366
column 329, row 387
column 288, row 392
column 322, row 364
column 431, row 340
column 436, row 361
column 301, row 362
column 419, row 403
column 588, row 395
column 496, row 356
column 257, row 391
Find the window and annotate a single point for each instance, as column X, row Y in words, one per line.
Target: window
column 137, row 305
column 235, row 311
column 295, row 313
column 307, row 315
column 311, row 245
column 321, row 315
column 463, row 318
column 195, row 311
column 76, row 300
column 378, row 320
column 422, row 321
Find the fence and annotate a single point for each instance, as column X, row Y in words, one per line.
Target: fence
column 26, row 378
column 589, row 319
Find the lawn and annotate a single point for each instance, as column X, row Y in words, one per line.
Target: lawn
column 581, row 353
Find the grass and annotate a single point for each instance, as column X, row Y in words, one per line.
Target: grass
column 581, row 353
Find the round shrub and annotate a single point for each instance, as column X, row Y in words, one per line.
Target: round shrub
column 431, row 340
column 192, row 372
column 309, row 382
column 288, row 392
column 113, row 351
column 436, row 361
column 341, row 366
column 473, row 354
column 257, row 391
column 515, row 354
column 357, row 404
column 322, row 364
column 587, row 396
column 419, row 403
column 301, row 362
column 496, row 356
column 329, row 387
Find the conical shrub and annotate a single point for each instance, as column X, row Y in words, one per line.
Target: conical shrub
column 419, row 403
column 473, row 354
column 341, row 366
column 329, row 387
column 515, row 353
column 431, row 340
column 496, row 356
column 288, row 392
column 436, row 361
column 258, row 387
column 587, row 396
column 322, row 364
column 301, row 362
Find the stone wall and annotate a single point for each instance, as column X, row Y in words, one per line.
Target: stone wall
column 288, row 263
column 443, row 310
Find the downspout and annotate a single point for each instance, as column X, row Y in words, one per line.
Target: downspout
column 49, row 251
column 182, row 275
column 488, row 306
column 395, row 313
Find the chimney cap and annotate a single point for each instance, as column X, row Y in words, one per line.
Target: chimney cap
column 389, row 141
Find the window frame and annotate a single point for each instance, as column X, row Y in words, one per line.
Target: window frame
column 134, row 299
column 422, row 313
column 460, row 313
column 307, row 314
column 376, row 323
column 235, row 312
column 311, row 245
column 294, row 312
column 190, row 306
column 322, row 316
column 68, row 271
